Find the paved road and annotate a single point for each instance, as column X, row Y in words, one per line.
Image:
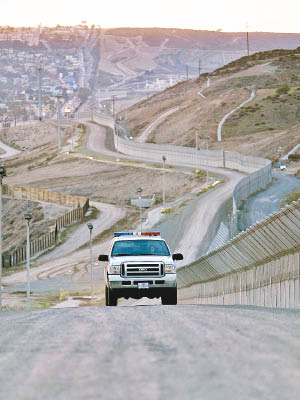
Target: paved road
column 193, row 238
column 152, row 352
column 9, row 151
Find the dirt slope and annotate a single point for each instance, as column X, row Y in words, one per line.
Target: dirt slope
column 272, row 119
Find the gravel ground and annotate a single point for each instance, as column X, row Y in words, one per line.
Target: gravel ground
column 151, row 352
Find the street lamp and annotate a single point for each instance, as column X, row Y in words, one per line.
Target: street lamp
column 164, row 181
column 90, row 226
column 2, row 174
column 207, row 140
column 139, row 190
column 28, row 217
column 39, row 68
column 58, row 96
column 279, row 154
column 117, row 135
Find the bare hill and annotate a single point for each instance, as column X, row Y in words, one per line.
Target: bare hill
column 272, row 119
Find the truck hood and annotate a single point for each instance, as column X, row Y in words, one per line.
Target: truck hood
column 142, row 259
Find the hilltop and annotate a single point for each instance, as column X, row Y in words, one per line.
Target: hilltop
column 272, row 119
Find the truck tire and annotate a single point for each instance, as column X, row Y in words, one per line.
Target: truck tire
column 110, row 298
column 169, row 297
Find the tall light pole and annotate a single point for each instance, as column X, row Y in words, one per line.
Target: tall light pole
column 199, row 67
column 113, row 106
column 164, row 181
column 279, row 154
column 90, row 226
column 196, row 144
column 207, row 140
column 58, row 96
column 28, row 217
column 2, row 174
column 39, row 68
column 187, row 72
column 139, row 190
column 117, row 134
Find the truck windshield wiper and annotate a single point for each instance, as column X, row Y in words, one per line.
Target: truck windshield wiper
column 148, row 254
column 122, row 254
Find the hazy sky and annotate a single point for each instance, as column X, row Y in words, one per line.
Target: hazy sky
column 229, row 15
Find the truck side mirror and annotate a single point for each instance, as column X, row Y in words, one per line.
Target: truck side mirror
column 177, row 256
column 103, row 257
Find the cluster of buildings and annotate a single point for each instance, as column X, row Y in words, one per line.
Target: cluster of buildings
column 28, row 60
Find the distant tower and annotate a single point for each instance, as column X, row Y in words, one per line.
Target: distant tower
column 39, row 68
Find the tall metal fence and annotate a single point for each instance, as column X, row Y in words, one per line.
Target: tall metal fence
column 259, row 169
column 260, row 266
column 48, row 239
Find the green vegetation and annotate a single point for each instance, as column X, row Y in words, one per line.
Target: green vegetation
column 277, row 111
column 294, row 195
column 285, row 59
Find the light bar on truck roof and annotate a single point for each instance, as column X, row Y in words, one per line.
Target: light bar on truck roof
column 150, row 233
column 118, row 234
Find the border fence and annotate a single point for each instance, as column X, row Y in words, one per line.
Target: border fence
column 259, row 169
column 48, row 239
column 260, row 266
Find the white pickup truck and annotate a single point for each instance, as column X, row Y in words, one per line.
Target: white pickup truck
column 139, row 264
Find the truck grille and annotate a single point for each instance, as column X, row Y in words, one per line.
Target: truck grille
column 142, row 269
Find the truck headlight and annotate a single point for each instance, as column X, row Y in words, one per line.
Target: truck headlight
column 114, row 269
column 170, row 269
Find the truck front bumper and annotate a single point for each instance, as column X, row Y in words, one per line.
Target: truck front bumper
column 118, row 282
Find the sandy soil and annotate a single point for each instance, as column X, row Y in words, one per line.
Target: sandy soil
column 202, row 115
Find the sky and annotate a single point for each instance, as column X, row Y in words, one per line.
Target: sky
column 228, row 15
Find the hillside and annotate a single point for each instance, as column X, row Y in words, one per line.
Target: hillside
column 272, row 119
column 170, row 50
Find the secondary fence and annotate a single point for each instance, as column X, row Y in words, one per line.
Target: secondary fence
column 259, row 267
column 48, row 239
column 259, row 169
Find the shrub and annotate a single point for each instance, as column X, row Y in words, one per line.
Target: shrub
column 282, row 90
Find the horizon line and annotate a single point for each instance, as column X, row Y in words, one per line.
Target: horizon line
column 145, row 27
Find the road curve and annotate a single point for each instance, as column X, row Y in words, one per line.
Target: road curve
column 9, row 151
column 187, row 352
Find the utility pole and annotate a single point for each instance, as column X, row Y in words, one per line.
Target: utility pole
column 164, row 181
column 58, row 96
column 90, row 226
column 187, row 72
column 248, row 47
column 28, row 217
column 113, row 106
column 39, row 68
column 2, row 174
column 207, row 140
column 139, row 190
column 199, row 67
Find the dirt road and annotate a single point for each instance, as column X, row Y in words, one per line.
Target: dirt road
column 185, row 352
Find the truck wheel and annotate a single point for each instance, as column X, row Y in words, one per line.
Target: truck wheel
column 110, row 298
column 169, row 297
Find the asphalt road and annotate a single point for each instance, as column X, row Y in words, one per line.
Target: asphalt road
column 150, row 352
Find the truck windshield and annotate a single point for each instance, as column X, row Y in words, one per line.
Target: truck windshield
column 140, row 248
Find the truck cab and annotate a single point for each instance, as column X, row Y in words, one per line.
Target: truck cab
column 140, row 264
